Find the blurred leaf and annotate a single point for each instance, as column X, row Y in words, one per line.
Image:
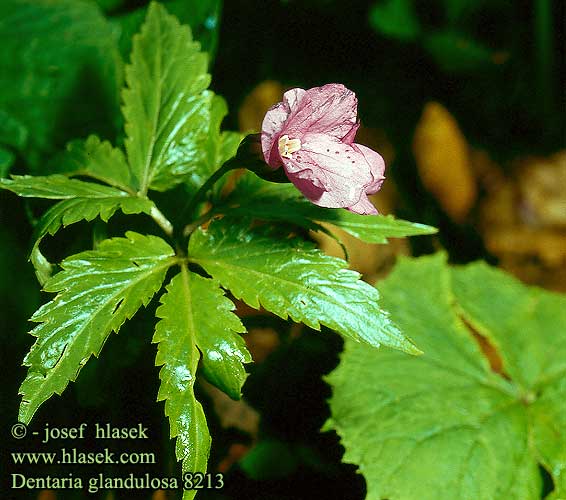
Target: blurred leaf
column 269, row 459
column 290, row 278
column 203, row 16
column 455, row 9
column 252, row 111
column 12, row 132
column 456, row 53
column 110, row 5
column 97, row 291
column 444, row 425
column 164, row 101
column 60, row 71
column 396, row 19
column 7, row 159
column 443, row 161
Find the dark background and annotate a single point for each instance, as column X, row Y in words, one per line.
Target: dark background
column 500, row 75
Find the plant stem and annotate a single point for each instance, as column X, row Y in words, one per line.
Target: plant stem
column 231, row 164
column 189, row 228
column 162, row 221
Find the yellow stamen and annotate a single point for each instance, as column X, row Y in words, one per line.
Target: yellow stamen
column 288, row 146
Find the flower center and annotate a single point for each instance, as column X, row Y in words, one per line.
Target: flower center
column 288, row 146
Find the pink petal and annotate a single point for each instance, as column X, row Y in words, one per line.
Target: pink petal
column 273, row 123
column 376, row 167
column 329, row 172
column 363, row 207
column 330, row 109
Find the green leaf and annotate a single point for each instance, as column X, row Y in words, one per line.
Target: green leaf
column 98, row 160
column 97, row 291
column 68, row 212
column 445, row 425
column 290, row 278
column 58, row 187
column 12, row 132
column 455, row 52
column 203, row 149
column 60, row 72
column 7, row 159
column 82, row 200
column 271, row 201
column 396, row 19
column 195, row 316
column 164, row 100
column 203, row 16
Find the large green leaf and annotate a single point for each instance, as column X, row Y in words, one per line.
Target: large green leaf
column 195, row 316
column 97, row 291
column 445, row 425
column 292, row 279
column 164, row 100
column 96, row 159
column 272, row 201
column 60, row 72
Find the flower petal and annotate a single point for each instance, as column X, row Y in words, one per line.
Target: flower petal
column 330, row 109
column 363, row 207
column 273, row 123
column 376, row 167
column 329, row 172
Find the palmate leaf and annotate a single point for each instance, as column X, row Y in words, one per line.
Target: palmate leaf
column 445, row 425
column 164, row 99
column 272, row 201
column 292, row 279
column 196, row 318
column 97, row 291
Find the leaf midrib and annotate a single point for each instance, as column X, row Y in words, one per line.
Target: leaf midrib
column 53, row 371
column 298, row 287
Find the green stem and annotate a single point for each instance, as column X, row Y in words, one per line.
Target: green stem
column 190, row 207
column 189, row 228
column 162, row 221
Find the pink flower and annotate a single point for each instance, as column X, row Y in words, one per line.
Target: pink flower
column 311, row 134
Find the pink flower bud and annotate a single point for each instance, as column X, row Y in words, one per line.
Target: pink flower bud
column 311, row 134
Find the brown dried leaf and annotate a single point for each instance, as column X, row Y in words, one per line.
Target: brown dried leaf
column 443, row 161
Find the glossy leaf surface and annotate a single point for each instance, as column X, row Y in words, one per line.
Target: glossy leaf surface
column 97, row 291
column 292, row 279
column 164, row 101
column 196, row 318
